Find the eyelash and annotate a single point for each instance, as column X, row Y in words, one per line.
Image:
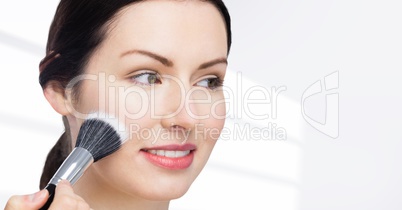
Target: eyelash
column 137, row 76
column 215, row 80
column 218, row 82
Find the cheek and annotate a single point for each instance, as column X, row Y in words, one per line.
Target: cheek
column 115, row 98
column 218, row 110
column 92, row 87
column 211, row 130
column 91, row 97
column 133, row 103
column 207, row 105
column 213, row 125
column 120, row 170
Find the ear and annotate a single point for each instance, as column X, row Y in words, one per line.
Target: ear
column 55, row 95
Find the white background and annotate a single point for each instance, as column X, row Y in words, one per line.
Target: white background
column 275, row 43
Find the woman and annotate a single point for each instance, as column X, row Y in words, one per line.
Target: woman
column 158, row 65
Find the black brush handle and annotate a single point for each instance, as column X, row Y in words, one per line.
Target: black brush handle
column 52, row 191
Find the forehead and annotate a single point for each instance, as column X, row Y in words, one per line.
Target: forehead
column 170, row 27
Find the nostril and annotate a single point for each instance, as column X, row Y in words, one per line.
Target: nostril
column 177, row 127
column 180, row 128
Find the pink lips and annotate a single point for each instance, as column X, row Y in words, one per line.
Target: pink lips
column 173, row 157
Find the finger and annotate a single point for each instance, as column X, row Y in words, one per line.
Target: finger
column 27, row 202
column 64, row 188
column 66, row 199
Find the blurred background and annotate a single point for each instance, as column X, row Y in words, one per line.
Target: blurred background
column 326, row 75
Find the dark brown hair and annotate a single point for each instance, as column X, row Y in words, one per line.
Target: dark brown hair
column 78, row 28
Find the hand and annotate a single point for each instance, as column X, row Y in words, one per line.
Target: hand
column 65, row 199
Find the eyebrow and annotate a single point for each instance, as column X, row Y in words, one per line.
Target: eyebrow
column 169, row 63
column 212, row 63
column 159, row 58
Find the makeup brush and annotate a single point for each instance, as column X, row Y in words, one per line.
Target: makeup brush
column 97, row 138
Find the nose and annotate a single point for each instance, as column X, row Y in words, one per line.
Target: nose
column 177, row 113
column 180, row 121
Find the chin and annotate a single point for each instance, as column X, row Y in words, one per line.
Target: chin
column 168, row 195
column 166, row 192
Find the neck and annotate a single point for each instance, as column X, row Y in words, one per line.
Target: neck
column 102, row 197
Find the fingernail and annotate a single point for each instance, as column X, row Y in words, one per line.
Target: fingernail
column 37, row 196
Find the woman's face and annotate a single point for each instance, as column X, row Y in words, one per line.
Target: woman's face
column 159, row 70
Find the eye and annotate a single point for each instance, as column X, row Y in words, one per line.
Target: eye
column 210, row 83
column 146, row 78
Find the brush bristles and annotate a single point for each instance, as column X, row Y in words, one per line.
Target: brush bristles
column 99, row 137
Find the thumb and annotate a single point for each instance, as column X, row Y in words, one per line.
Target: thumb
column 27, row 202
